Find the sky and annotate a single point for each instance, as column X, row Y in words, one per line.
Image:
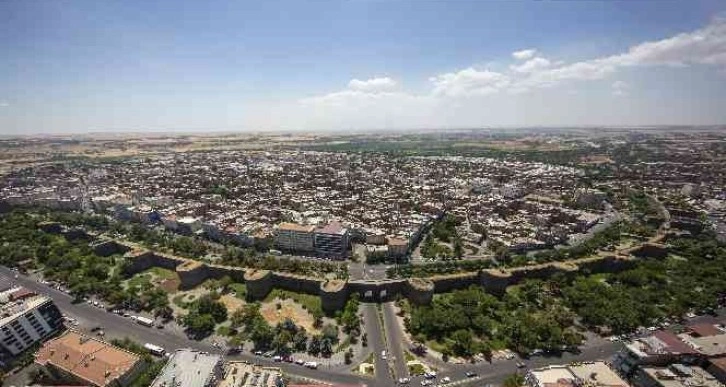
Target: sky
column 317, row 65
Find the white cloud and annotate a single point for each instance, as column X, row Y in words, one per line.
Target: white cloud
column 524, row 54
column 373, row 84
column 464, row 97
column 534, row 64
column 706, row 45
column 469, row 82
column 620, row 88
column 4, row 104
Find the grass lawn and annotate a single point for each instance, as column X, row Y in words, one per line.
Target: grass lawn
column 240, row 290
column 162, row 273
column 436, row 346
column 309, row 302
column 409, row 356
column 139, row 280
column 416, row 369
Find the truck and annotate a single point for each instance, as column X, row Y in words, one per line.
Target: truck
column 154, row 349
column 145, row 321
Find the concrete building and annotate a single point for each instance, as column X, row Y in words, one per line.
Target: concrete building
column 332, row 241
column 659, row 349
column 295, row 238
column 25, row 322
column 242, row 374
column 189, row 368
column 89, row 361
column 675, row 375
column 397, row 247
column 589, row 374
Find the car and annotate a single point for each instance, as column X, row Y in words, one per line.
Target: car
column 426, row 383
column 404, row 380
column 101, row 333
column 383, row 355
column 277, row 358
column 430, row 375
column 258, row 353
column 521, row 364
column 300, row 361
column 446, row 379
column 96, row 328
column 159, row 326
column 470, row 374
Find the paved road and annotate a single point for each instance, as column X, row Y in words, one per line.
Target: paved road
column 377, row 341
column 118, row 326
column 395, row 340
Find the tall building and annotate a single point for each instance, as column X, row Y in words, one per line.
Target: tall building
column 25, row 322
column 295, row 238
column 331, row 241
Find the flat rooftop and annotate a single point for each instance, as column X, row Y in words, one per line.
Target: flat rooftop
column 239, row 374
column 13, row 309
column 679, row 375
column 92, row 360
column 187, row 368
column 295, row 227
column 583, row 374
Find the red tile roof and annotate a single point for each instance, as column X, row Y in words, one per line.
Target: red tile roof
column 674, row 343
column 704, row 330
column 94, row 361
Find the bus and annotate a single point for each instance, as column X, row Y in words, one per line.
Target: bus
column 154, row 349
column 145, row 321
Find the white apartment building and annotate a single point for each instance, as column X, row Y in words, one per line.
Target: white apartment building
column 25, row 322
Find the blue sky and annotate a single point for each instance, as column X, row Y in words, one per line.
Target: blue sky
column 86, row 66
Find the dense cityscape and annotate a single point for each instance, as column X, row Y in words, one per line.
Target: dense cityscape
column 376, row 193
column 522, row 259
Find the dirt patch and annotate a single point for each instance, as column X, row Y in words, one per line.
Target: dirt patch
column 170, row 285
column 232, row 303
column 288, row 309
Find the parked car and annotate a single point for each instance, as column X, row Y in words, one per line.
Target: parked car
column 470, row 374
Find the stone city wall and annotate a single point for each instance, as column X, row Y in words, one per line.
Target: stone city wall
column 334, row 293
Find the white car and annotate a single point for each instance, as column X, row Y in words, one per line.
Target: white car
column 446, row 379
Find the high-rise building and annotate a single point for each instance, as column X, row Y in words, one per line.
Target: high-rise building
column 331, row 241
column 295, row 238
column 25, row 322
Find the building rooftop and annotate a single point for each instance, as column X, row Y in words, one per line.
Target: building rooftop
column 11, row 310
column 94, row 361
column 704, row 330
column 597, row 374
column 187, row 368
column 679, row 375
column 589, row 374
column 333, row 228
column 295, row 227
column 239, row 374
column 710, row 345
